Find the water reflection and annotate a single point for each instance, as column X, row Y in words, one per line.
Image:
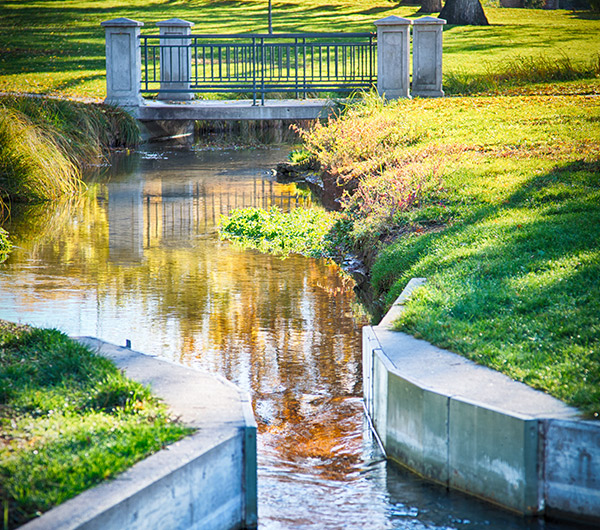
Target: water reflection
column 140, row 259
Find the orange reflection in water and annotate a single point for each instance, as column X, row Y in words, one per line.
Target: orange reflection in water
column 139, row 258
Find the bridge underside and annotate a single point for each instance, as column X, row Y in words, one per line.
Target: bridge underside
column 238, row 110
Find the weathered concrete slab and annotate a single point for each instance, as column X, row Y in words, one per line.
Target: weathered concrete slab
column 234, row 110
column 572, row 468
column 206, row 481
column 494, row 455
column 417, row 428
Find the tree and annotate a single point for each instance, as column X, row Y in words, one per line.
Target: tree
column 270, row 17
column 430, row 6
column 464, row 13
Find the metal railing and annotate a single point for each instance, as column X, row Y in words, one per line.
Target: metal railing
column 258, row 64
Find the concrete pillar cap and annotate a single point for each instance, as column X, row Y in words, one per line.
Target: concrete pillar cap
column 393, row 20
column 429, row 20
column 176, row 22
column 122, row 22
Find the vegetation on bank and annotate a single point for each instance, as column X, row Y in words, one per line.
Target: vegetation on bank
column 496, row 201
column 69, row 420
column 5, row 245
column 45, row 143
column 57, row 48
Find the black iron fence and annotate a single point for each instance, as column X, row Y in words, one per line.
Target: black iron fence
column 258, row 64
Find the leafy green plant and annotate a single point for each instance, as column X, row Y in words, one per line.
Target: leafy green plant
column 301, row 231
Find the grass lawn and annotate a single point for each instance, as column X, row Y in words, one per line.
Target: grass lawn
column 68, row 420
column 502, row 218
column 58, row 46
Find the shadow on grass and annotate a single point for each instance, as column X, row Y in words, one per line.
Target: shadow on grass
column 514, row 285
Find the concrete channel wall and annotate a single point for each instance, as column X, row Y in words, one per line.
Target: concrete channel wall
column 475, row 430
column 206, row 481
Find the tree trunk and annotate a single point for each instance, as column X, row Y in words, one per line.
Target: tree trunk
column 464, row 13
column 430, row 6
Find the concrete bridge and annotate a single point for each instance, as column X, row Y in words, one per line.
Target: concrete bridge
column 159, row 78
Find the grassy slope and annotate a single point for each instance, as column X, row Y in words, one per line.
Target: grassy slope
column 69, row 419
column 513, row 260
column 59, row 48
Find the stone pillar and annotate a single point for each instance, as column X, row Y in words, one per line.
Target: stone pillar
column 427, row 57
column 175, row 59
column 393, row 48
column 123, row 62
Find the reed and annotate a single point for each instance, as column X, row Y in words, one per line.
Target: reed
column 45, row 144
column 33, row 167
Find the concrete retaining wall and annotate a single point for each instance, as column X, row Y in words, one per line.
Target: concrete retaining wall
column 206, row 481
column 475, row 430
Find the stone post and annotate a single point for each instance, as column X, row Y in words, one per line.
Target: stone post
column 393, row 48
column 427, row 57
column 175, row 60
column 123, row 62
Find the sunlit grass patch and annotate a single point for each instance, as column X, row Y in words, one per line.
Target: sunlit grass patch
column 69, row 420
column 519, row 71
column 301, row 231
column 59, row 48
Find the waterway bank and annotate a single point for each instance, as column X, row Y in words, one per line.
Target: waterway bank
column 45, row 144
column 473, row 429
column 206, row 481
column 493, row 202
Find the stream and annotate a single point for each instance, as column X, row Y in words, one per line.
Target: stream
column 139, row 258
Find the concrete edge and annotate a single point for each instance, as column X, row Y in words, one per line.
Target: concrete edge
column 541, row 462
column 119, row 502
column 234, row 110
column 82, row 510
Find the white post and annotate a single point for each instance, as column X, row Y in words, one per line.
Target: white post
column 427, row 57
column 175, row 60
column 393, row 49
column 123, row 62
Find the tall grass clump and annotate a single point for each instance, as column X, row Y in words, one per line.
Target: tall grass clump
column 69, row 418
column 46, row 143
column 82, row 130
column 33, row 167
column 520, row 71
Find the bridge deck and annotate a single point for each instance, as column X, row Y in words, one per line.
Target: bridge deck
column 275, row 109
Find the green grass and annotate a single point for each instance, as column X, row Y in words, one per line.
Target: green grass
column 58, row 47
column 505, row 226
column 301, row 231
column 69, row 420
column 45, row 143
